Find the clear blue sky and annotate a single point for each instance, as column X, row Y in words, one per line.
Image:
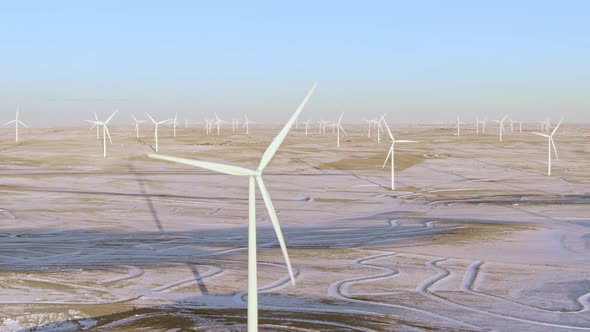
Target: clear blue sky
column 415, row 60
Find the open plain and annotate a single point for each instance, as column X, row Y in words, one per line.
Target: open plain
column 475, row 237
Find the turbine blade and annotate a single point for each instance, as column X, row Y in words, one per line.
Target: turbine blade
column 544, row 135
column 106, row 129
column 110, row 117
column 19, row 121
column 554, row 148
column 405, row 141
column 276, row 225
column 340, row 120
column 95, row 116
column 388, row 131
column 344, row 131
column 7, row 123
column 134, row 118
column 276, row 143
column 388, row 155
column 221, row 168
column 555, row 129
column 154, row 121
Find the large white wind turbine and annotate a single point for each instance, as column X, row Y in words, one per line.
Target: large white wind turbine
column 16, row 123
column 255, row 177
column 105, row 132
column 550, row 144
column 501, row 122
column 392, row 154
column 339, row 127
column 137, row 122
column 156, row 123
column 247, row 124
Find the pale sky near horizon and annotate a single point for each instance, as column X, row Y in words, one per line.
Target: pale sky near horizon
column 414, row 60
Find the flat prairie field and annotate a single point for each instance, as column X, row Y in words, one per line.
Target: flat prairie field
column 474, row 237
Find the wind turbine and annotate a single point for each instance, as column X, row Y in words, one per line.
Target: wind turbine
column 254, row 177
column 234, row 124
column 459, row 123
column 218, row 123
column 105, row 132
column 306, row 123
column 246, row 124
column 339, row 127
column 156, row 130
column 369, row 122
column 95, row 124
column 501, row 122
column 550, row 144
column 379, row 127
column 137, row 122
column 16, row 123
column 392, row 154
column 174, row 123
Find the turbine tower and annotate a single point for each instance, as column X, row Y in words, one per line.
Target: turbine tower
column 254, row 178
column 137, row 122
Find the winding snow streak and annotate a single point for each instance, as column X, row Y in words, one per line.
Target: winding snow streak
column 423, row 289
column 133, row 272
column 335, row 291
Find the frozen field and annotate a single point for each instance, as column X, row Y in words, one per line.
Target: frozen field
column 476, row 236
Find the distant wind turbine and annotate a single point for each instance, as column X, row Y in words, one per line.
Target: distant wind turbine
column 338, row 126
column 137, row 122
column 218, row 123
column 16, row 123
column 501, row 122
column 255, row 177
column 174, row 123
column 550, row 144
column 156, row 123
column 247, row 124
column 392, row 154
column 459, row 123
column 105, row 132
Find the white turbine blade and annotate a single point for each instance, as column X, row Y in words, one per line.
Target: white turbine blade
column 388, row 131
column 95, row 116
column 7, row 123
column 344, row 131
column 154, row 121
column 554, row 148
column 110, row 117
column 555, row 129
column 504, row 118
column 405, row 141
column 221, row 168
column 106, row 129
column 22, row 123
column 388, row 155
column 544, row 135
column 274, row 146
column 276, row 225
column 340, row 120
column 134, row 118
column 94, row 123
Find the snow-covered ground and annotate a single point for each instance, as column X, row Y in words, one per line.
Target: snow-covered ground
column 476, row 236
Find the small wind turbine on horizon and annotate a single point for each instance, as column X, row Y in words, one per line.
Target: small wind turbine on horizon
column 174, row 123
column 459, row 123
column 95, row 123
column 254, row 178
column 501, row 122
column 218, row 123
column 392, row 153
column 156, row 123
column 16, row 122
column 306, row 123
column 247, row 124
column 105, row 132
column 137, row 122
column 339, row 127
column 550, row 143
